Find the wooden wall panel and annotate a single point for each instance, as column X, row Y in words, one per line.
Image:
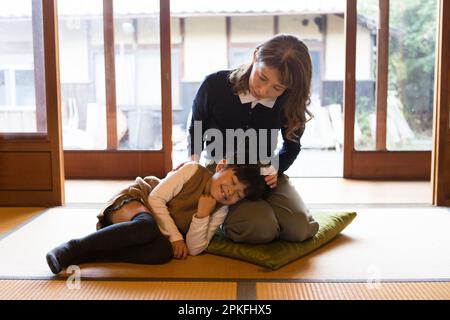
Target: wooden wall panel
column 25, row 171
column 445, row 173
column 349, row 86
column 117, row 165
column 391, row 165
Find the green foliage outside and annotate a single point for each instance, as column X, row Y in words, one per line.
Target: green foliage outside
column 411, row 60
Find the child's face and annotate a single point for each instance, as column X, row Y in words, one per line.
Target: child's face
column 226, row 187
column 264, row 82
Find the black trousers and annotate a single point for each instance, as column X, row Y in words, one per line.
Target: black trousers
column 136, row 241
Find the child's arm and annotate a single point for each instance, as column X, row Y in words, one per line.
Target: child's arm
column 168, row 188
column 203, row 229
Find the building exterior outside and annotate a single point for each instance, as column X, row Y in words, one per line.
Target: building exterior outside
column 206, row 36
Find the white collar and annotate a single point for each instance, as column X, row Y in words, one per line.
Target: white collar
column 247, row 97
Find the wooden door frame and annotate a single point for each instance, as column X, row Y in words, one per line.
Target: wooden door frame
column 123, row 164
column 382, row 164
column 441, row 126
column 35, row 160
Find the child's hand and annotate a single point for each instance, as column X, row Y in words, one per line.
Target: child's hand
column 180, row 250
column 206, row 206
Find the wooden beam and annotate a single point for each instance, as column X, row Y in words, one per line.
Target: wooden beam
column 166, row 87
column 382, row 75
column 276, row 25
column 349, row 86
column 440, row 177
column 53, row 98
column 110, row 74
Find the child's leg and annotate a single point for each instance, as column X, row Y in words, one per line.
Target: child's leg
column 142, row 229
column 296, row 223
column 157, row 251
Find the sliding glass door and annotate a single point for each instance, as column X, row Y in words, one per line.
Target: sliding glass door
column 31, row 160
column 115, row 87
column 389, row 110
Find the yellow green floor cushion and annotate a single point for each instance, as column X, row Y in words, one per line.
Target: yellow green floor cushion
column 278, row 253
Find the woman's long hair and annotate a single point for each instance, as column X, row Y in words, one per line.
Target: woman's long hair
column 290, row 56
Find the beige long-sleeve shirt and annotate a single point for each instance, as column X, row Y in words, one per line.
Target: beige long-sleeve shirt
column 201, row 230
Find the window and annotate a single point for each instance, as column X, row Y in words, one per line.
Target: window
column 86, row 101
column 82, row 96
column 316, row 79
column 223, row 37
column 240, row 56
column 22, row 81
column 138, row 76
column 409, row 84
column 138, row 87
column 412, row 57
column 24, row 91
column 3, row 91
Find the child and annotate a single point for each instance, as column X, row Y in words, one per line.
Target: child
column 272, row 91
column 148, row 222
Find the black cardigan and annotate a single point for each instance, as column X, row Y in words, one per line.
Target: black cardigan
column 218, row 107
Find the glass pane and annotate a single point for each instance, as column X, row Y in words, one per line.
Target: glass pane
column 138, row 74
column 3, row 76
column 22, row 103
column 204, row 48
column 82, row 74
column 366, row 59
column 411, row 74
column 24, row 87
column 240, row 56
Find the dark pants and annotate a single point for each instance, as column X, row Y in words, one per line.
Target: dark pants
column 136, row 241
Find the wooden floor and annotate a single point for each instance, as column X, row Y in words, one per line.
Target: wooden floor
column 317, row 193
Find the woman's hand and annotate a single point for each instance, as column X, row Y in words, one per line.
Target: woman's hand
column 180, row 250
column 206, row 206
column 271, row 180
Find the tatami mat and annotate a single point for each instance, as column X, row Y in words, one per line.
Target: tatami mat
column 354, row 291
column 313, row 190
column 114, row 290
column 12, row 217
column 381, row 243
column 167, row 290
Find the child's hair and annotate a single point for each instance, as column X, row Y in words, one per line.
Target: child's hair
column 290, row 56
column 249, row 175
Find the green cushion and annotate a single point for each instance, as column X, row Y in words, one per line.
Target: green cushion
column 278, row 253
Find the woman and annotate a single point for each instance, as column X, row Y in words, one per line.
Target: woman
column 272, row 92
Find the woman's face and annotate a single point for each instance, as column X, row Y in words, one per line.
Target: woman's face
column 264, row 82
column 226, row 187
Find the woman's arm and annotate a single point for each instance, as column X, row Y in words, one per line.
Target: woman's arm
column 289, row 151
column 168, row 188
column 202, row 230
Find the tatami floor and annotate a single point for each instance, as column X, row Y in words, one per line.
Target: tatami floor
column 315, row 191
column 310, row 278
